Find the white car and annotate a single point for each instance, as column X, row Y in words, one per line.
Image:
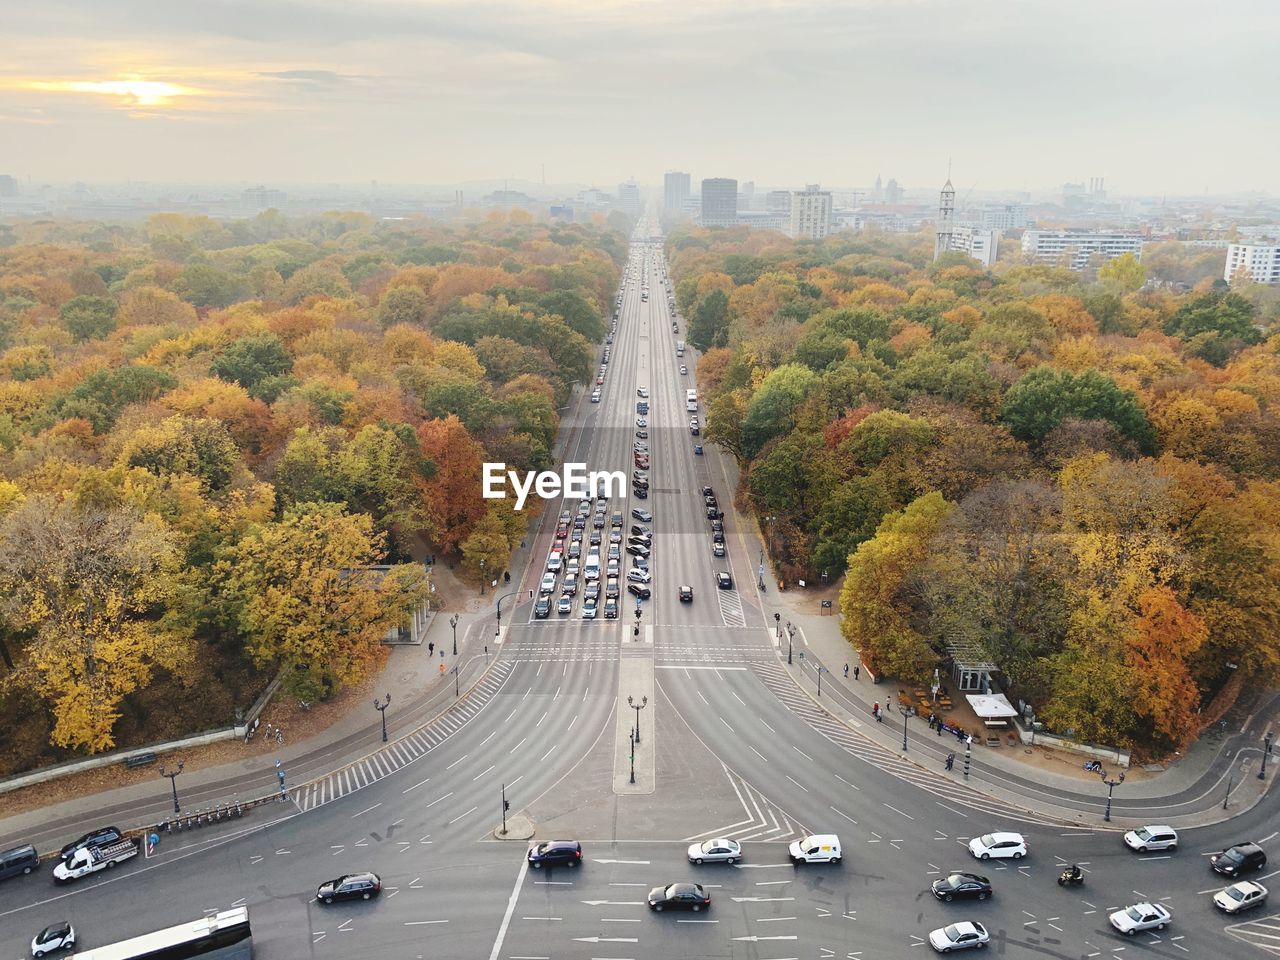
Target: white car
column 595, row 396
column 642, row 393
column 998, row 845
column 57, row 936
column 635, row 575
column 1240, row 896
column 548, row 584
column 1141, row 916
column 1147, row 839
column 722, row 850
column 959, row 936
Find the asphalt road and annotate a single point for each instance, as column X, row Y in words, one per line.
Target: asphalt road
column 728, row 747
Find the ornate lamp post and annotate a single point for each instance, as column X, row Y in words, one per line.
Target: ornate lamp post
column 173, row 778
column 453, row 622
column 906, row 711
column 1111, row 785
column 637, row 707
column 381, row 707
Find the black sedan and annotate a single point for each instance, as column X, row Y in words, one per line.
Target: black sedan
column 962, row 886
column 679, row 896
column 353, row 886
column 637, row 551
column 639, row 590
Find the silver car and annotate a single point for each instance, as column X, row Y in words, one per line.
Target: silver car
column 716, row 851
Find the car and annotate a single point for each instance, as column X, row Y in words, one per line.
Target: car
column 576, row 536
column 643, row 592
column 642, row 392
column 642, row 434
column 592, row 590
column 570, row 586
column 1237, row 860
column 641, row 422
column 640, row 493
column 962, row 886
column 579, row 522
column 686, row 593
column 722, row 850
column 555, row 853
column 998, row 845
column 1141, row 916
column 548, row 583
column 638, row 530
column 616, row 518
column 1146, row 839
column 573, row 567
column 636, row 575
column 640, row 541
column 1240, row 896
column 679, row 896
column 594, row 539
column 615, row 535
column 713, row 513
column 564, row 606
column 93, row 838
column 589, row 609
column 817, row 848
column 637, row 551
column 717, row 526
column 611, row 588
column 615, row 551
column 599, row 381
column 693, row 428
column 717, row 549
column 595, row 396
column 959, row 936
column 598, row 522
column 611, row 608
column 644, row 516
column 56, row 936
column 708, row 491
column 717, row 536
column 724, row 581
column 575, row 551
column 351, row 886
column 542, row 607
column 684, row 369
column 642, row 462
column 611, row 569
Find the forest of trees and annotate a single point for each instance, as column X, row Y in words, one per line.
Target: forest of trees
column 1080, row 476
column 209, row 431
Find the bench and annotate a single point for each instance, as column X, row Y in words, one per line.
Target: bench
column 139, row 760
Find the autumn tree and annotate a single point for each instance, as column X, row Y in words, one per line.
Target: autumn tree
column 92, row 587
column 305, row 599
column 89, row 318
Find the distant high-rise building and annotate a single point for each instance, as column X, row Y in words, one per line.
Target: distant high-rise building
column 8, row 186
column 878, row 193
column 1010, row 216
column 1261, row 261
column 946, row 219
column 893, row 192
column 1076, row 247
column 719, row 202
column 261, row 197
column 810, row 213
column 629, row 201
column 976, row 242
column 675, row 191
column 746, row 195
column 778, row 203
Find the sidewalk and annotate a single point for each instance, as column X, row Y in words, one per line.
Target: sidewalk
column 346, row 730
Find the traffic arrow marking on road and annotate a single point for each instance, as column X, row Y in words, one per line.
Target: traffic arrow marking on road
column 607, row 939
column 613, row 903
column 756, row 939
column 633, row 862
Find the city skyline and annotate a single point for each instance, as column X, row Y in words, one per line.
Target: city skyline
column 438, row 93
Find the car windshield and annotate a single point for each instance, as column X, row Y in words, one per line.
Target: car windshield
column 987, row 840
column 1234, row 855
column 952, row 932
column 955, row 880
column 1235, row 893
column 1143, row 833
column 1134, row 914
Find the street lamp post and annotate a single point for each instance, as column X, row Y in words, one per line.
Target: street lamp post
column 453, row 622
column 637, row 707
column 482, row 576
column 1111, row 785
column 381, row 707
column 455, row 681
column 633, row 755
column 777, row 625
column 791, row 635
column 173, row 782
column 821, row 671
column 906, row 711
column 497, row 631
column 1266, row 752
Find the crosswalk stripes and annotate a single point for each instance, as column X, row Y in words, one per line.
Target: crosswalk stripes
column 731, row 608
column 763, row 821
column 776, row 679
column 404, row 751
column 1263, row 933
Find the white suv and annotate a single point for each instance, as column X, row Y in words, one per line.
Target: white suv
column 1146, row 839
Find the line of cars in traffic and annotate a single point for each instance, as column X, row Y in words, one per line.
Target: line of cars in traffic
column 576, row 553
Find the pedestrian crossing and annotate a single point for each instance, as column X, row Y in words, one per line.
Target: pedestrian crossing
column 762, row 819
column 1263, row 933
column 731, row 608
column 778, row 681
column 399, row 754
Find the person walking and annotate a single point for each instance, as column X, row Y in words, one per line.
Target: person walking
column 940, row 726
column 846, row 671
column 951, row 759
column 875, row 709
column 857, row 669
column 431, row 649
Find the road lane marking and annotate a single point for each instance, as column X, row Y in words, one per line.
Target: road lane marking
column 517, row 746
column 843, row 814
column 416, row 785
column 456, row 762
column 511, row 908
column 434, row 802
column 422, row 923
column 479, row 775
column 757, row 753
column 547, row 754
column 896, row 810
column 797, row 783
column 488, row 738
column 366, row 810
column 802, row 753
column 848, row 783
column 952, row 809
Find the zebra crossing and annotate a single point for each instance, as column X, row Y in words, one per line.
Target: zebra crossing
column 731, row 608
column 776, row 679
column 1263, row 933
column 762, row 820
column 400, row 753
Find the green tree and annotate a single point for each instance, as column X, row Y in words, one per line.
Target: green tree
column 89, row 318
column 771, row 410
column 709, row 326
column 1045, row 397
column 1124, row 274
column 403, row 304
column 204, row 285
column 487, row 548
column 251, row 360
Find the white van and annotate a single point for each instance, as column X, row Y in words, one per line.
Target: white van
column 819, row 848
column 591, row 569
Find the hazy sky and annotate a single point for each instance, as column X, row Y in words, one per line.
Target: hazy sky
column 1155, row 95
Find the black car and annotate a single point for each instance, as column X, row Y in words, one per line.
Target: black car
column 641, row 493
column 686, row 593
column 724, row 581
column 353, row 886
column 555, row 853
column 708, row 492
column 717, row 536
column 962, row 886
column 710, row 501
column 717, row 526
column 641, row 591
column 637, row 551
column 679, row 896
column 542, row 608
column 1238, row 860
column 713, row 513
column 93, row 838
column 638, row 531
column 642, row 434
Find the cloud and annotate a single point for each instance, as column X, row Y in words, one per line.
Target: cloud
column 318, row 77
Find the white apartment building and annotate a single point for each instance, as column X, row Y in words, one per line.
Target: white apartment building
column 810, row 213
column 1009, row 216
column 676, row 188
column 1262, row 262
column 1077, row 246
column 976, row 242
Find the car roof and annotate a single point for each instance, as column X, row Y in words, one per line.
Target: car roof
column 1004, row 835
column 1157, row 827
column 969, row 926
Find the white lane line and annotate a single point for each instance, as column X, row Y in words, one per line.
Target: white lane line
column 896, row 810
column 511, row 907
column 848, row 783
column 797, row 783
column 456, row 762
column 516, row 780
column 802, row 753
column 952, row 809
column 757, row 753
column 467, row 814
column 726, row 723
column 479, row 775
column 434, row 802
column 488, row 738
column 771, row 730
column 518, row 745
column 547, row 754
column 556, row 919
column 366, row 810
column 843, row 814
column 422, row 923
column 416, row 785
column 540, row 719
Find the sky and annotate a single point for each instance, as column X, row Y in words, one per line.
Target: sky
column 1157, row 96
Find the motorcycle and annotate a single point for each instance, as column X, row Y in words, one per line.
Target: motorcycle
column 1069, row 879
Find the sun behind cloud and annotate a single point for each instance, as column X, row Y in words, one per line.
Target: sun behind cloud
column 132, row 92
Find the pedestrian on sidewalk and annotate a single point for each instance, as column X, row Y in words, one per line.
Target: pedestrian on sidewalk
column 431, row 649
column 846, row 671
column 933, row 718
column 940, row 726
column 857, row 669
column 951, row 759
